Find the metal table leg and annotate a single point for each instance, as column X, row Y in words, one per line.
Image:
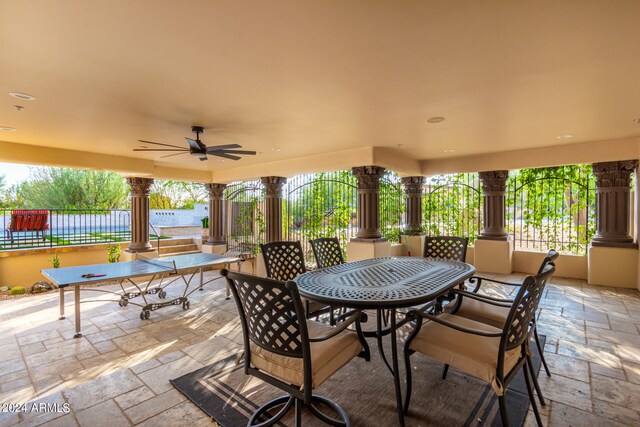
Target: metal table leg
column 396, row 372
column 76, row 303
column 62, row 316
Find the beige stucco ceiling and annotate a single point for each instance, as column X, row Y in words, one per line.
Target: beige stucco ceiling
column 296, row 79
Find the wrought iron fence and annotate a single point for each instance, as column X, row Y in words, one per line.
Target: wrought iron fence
column 34, row 228
column 552, row 208
column 392, row 206
column 246, row 222
column 320, row 205
column 452, row 205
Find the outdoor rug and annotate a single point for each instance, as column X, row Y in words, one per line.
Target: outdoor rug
column 365, row 391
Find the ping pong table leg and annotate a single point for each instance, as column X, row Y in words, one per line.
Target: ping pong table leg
column 76, row 303
column 201, row 278
column 62, row 316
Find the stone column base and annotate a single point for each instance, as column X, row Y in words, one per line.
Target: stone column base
column 357, row 250
column 414, row 244
column 493, row 256
column 613, row 267
column 214, row 248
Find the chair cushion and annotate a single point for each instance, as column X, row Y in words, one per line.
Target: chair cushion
column 482, row 312
column 327, row 356
column 473, row 354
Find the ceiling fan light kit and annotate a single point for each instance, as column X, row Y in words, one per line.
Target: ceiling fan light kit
column 198, row 149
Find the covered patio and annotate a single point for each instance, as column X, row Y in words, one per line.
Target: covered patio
column 512, row 127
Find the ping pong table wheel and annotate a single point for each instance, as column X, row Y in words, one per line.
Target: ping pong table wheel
column 162, row 294
column 185, row 305
column 144, row 315
column 123, row 302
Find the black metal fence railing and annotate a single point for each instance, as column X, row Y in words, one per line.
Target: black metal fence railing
column 452, row 205
column 34, row 228
column 320, row 205
column 246, row 222
column 552, row 208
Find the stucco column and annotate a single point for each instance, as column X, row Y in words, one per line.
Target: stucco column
column 413, row 190
column 216, row 214
column 613, row 203
column 273, row 186
column 368, row 202
column 494, row 185
column 140, row 188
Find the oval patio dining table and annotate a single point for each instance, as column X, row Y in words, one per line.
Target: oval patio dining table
column 387, row 283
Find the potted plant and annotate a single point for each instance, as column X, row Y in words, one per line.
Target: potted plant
column 205, row 228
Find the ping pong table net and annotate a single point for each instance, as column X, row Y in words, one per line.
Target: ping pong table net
column 169, row 266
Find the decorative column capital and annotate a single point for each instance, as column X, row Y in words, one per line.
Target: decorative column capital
column 614, row 174
column 140, row 186
column 273, row 185
column 413, row 185
column 494, row 180
column 216, row 191
column 368, row 176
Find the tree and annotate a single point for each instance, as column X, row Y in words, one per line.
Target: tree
column 176, row 195
column 62, row 188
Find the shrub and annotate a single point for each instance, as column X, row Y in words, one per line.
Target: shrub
column 55, row 261
column 17, row 290
column 113, row 253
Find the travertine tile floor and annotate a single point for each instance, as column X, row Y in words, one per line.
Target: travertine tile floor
column 118, row 373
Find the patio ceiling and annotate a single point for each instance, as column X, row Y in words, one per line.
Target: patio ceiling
column 302, row 80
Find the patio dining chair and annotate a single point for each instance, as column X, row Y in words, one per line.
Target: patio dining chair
column 284, row 261
column 495, row 315
column 287, row 351
column 495, row 355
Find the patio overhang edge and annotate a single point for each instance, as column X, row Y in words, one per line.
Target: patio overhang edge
column 127, row 166
column 325, row 162
column 565, row 154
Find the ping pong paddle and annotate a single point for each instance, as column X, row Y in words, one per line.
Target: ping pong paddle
column 90, row 275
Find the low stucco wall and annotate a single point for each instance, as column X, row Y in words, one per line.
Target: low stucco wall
column 572, row 266
column 23, row 267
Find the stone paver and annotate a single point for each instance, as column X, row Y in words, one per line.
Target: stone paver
column 119, row 372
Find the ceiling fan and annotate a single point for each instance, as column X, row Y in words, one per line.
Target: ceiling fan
column 198, row 149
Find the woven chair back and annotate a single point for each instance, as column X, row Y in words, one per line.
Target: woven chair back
column 283, row 260
column 269, row 313
column 446, row 247
column 327, row 252
column 524, row 307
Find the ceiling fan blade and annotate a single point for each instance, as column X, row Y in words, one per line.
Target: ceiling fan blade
column 158, row 143
column 176, row 154
column 222, row 147
column 195, row 145
column 161, row 149
column 226, row 156
column 251, row 153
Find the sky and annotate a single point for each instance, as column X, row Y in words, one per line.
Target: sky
column 14, row 172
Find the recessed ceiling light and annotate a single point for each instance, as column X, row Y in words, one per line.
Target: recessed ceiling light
column 637, row 121
column 276, row 149
column 449, row 150
column 7, row 128
column 24, row 96
column 436, row 119
column 567, row 136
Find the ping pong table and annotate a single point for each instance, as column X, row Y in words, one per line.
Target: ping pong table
column 163, row 271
